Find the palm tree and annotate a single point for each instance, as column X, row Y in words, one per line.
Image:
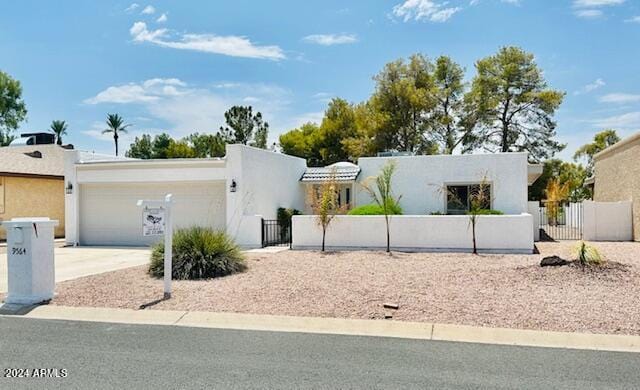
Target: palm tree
column 59, row 128
column 116, row 126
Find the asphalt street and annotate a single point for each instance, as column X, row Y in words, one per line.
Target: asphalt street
column 101, row 355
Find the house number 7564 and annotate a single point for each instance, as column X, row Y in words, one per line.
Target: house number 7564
column 18, row 251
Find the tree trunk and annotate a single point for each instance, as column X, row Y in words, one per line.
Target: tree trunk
column 324, row 231
column 386, row 218
column 473, row 232
column 115, row 139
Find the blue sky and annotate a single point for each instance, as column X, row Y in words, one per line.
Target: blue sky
column 177, row 66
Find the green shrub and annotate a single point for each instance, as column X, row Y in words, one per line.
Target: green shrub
column 437, row 213
column 374, row 209
column 488, row 212
column 199, row 253
column 587, row 254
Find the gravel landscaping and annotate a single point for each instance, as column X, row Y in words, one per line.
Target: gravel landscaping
column 487, row 290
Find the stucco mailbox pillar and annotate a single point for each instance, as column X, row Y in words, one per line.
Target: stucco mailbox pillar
column 30, row 258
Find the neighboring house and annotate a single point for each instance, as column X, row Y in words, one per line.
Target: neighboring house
column 617, row 176
column 32, row 183
column 236, row 192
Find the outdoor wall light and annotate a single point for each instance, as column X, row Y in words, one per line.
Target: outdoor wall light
column 234, row 186
column 69, row 189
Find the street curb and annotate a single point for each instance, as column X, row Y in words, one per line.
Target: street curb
column 340, row 326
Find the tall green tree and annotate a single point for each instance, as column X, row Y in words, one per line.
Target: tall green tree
column 512, row 107
column 59, row 128
column 12, row 107
column 403, row 95
column 141, row 148
column 338, row 124
column 115, row 126
column 601, row 141
column 245, row 127
column 446, row 122
column 573, row 175
column 302, row 142
column 207, row 145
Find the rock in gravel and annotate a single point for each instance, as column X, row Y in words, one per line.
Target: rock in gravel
column 390, row 305
column 553, row 261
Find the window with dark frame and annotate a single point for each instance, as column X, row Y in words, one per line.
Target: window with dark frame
column 458, row 197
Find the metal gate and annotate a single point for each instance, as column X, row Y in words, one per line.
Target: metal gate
column 561, row 221
column 275, row 234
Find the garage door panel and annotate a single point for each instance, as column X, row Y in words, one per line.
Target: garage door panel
column 109, row 214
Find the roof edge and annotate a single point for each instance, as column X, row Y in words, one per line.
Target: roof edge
column 620, row 144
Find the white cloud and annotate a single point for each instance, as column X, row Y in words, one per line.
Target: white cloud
column 591, row 87
column 635, row 19
column 231, row 45
column 183, row 109
column 132, row 7
column 424, row 10
column 630, row 120
column 148, row 91
column 588, row 13
column 162, row 18
column 596, row 3
column 620, row 98
column 148, row 10
column 331, row 39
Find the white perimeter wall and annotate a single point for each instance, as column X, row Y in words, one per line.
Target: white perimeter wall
column 420, row 179
column 607, row 221
column 495, row 233
column 534, row 210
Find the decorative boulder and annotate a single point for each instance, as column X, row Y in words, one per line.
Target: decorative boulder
column 553, row 261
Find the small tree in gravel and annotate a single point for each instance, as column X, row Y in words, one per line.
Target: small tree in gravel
column 479, row 200
column 382, row 194
column 323, row 201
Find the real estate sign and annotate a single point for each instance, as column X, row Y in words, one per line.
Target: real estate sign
column 153, row 221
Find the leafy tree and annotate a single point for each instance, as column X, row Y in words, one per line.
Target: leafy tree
column 337, row 125
column 446, row 122
column 601, row 141
column 324, row 144
column 116, row 126
column 555, row 192
column 207, row 145
column 511, row 106
column 141, row 148
column 403, row 96
column 160, row 145
column 572, row 174
column 244, row 127
column 382, row 194
column 12, row 107
column 323, row 201
column 302, row 142
column 59, row 128
column 368, row 123
column 180, row 149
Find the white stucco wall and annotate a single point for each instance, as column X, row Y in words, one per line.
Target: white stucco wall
column 607, row 221
column 534, row 209
column 265, row 181
column 420, row 179
column 495, row 233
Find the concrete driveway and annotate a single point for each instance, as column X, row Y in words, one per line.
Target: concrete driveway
column 72, row 263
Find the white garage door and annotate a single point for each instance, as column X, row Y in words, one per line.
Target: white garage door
column 109, row 214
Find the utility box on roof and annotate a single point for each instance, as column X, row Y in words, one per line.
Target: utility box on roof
column 30, row 257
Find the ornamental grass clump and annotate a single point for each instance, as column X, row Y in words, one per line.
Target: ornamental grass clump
column 199, row 253
column 587, row 254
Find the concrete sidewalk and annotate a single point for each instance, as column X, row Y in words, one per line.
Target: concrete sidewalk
column 73, row 263
column 381, row 328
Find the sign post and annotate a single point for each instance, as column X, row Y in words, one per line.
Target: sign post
column 156, row 221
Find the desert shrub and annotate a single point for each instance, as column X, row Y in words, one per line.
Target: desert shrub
column 587, row 254
column 199, row 253
column 488, row 212
column 374, row 209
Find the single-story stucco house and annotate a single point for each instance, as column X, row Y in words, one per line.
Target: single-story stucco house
column 236, row 192
column 617, row 176
column 32, row 183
